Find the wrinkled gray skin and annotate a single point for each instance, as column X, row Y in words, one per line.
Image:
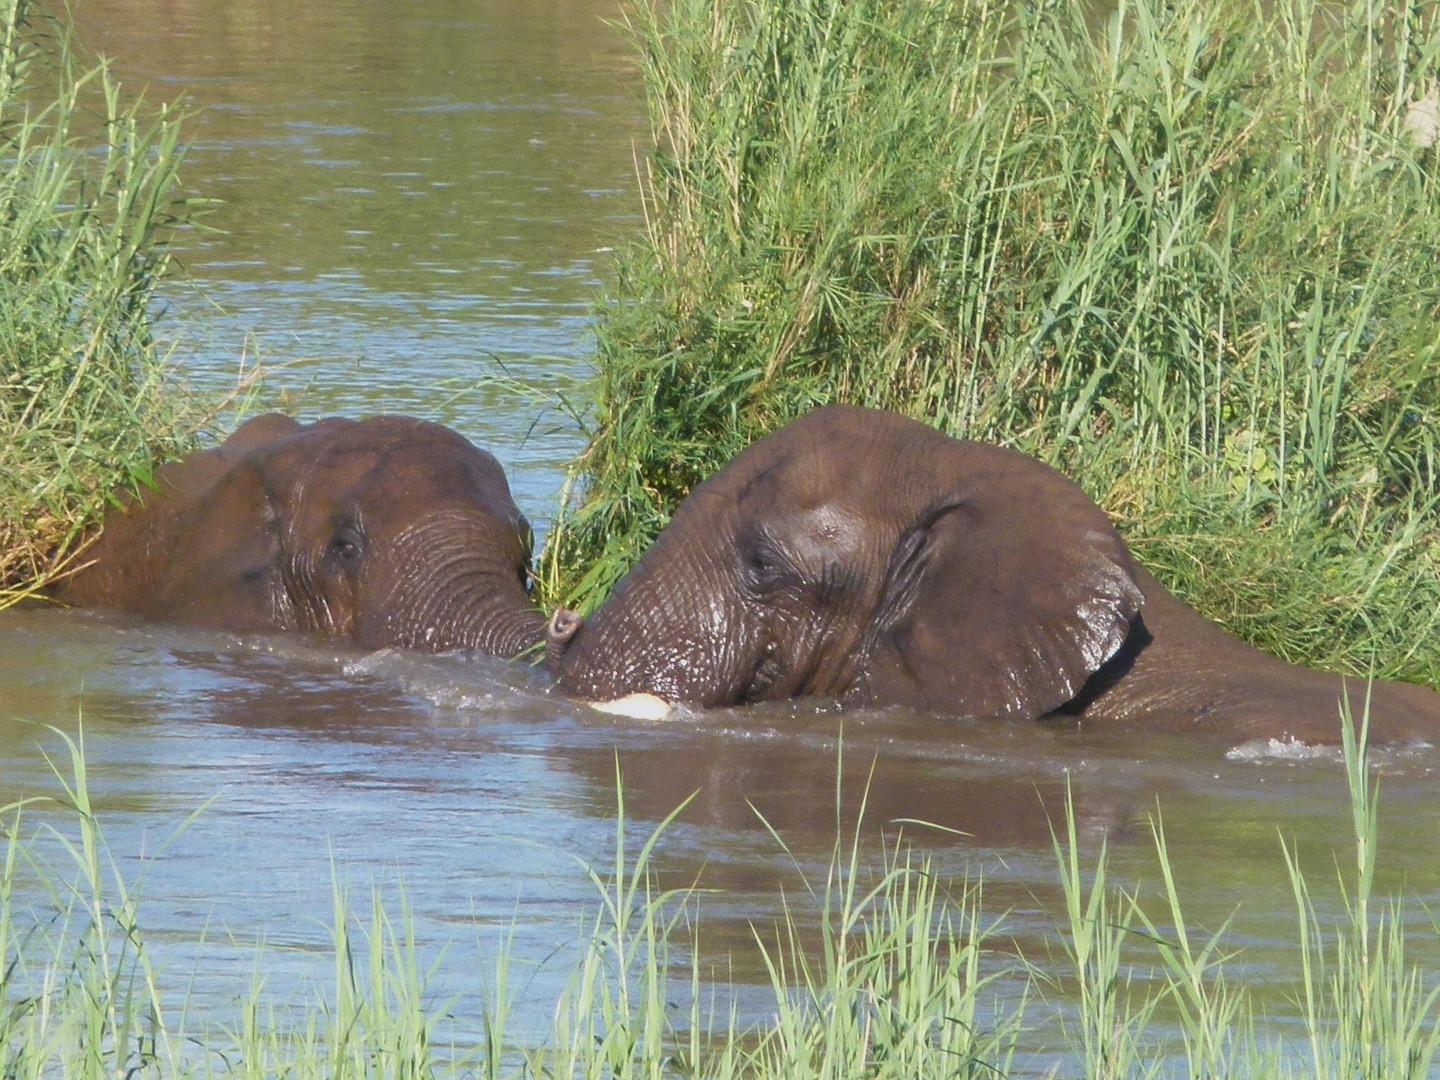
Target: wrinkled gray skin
column 861, row 555
column 387, row 531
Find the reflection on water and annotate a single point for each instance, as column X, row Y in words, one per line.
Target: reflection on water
column 408, row 190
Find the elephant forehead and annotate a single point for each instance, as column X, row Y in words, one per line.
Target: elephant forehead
column 314, row 466
column 830, row 528
column 387, row 470
column 466, row 523
column 338, row 445
column 860, row 474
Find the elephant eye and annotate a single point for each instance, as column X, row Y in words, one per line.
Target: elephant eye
column 347, row 545
column 762, row 567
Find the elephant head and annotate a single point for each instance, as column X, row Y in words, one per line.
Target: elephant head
column 862, row 555
column 387, row 531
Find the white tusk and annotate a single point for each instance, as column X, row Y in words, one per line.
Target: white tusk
column 636, row 707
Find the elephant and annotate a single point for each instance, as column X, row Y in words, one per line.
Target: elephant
column 388, row 531
column 861, row 555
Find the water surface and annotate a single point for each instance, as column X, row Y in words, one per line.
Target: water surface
column 417, row 197
column 412, row 199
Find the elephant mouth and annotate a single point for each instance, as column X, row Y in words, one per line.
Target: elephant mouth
column 766, row 676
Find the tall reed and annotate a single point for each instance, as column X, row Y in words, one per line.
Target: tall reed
column 78, row 994
column 88, row 199
column 1184, row 252
column 1366, row 1009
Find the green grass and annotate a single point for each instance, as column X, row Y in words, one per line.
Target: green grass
column 1186, row 254
column 880, row 967
column 88, row 200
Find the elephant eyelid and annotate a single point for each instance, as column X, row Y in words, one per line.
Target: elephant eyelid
column 347, row 544
column 761, row 566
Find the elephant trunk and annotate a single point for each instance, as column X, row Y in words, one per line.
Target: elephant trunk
column 647, row 638
column 470, row 617
column 560, row 631
column 509, row 633
column 584, row 665
column 456, row 587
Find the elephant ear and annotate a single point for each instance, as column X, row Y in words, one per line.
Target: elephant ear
column 141, row 561
column 1010, row 591
column 224, row 558
column 190, row 479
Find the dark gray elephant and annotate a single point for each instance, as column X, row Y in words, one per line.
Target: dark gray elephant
column 387, row 531
column 865, row 556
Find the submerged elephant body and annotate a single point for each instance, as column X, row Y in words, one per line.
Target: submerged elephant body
column 1178, row 669
column 386, row 531
column 861, row 555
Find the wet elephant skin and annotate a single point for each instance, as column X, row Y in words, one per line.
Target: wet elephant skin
column 388, row 531
column 861, row 555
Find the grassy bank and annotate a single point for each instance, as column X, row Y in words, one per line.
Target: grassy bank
column 884, row 969
column 1185, row 254
column 88, row 197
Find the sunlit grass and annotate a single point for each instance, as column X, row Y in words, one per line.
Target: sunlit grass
column 1186, row 254
column 88, row 199
column 878, row 967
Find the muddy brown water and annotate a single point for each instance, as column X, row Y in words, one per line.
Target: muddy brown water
column 418, row 197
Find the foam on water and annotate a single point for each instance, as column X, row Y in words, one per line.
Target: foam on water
column 1291, row 750
column 455, row 681
column 1287, row 748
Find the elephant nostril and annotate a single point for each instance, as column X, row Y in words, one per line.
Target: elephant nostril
column 564, row 625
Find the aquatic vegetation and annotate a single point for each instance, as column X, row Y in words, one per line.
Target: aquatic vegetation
column 88, row 200
column 878, row 966
column 1185, row 254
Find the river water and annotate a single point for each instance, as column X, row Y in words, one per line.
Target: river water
column 416, row 201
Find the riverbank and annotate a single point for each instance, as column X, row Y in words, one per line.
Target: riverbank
column 89, row 198
column 1186, row 255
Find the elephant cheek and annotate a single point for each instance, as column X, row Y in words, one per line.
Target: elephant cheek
column 801, row 655
column 318, row 599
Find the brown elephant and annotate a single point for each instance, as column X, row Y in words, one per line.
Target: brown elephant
column 865, row 556
column 387, row 531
